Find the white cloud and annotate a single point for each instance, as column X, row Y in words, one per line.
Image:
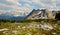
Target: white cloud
column 14, row 2
column 2, row 5
column 17, row 7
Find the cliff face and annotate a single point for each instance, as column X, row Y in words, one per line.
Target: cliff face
column 41, row 14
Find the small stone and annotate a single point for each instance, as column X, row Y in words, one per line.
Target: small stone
column 14, row 31
column 54, row 33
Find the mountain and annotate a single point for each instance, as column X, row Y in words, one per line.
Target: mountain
column 41, row 14
column 11, row 17
column 35, row 14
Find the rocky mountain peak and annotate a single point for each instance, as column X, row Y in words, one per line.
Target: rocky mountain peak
column 41, row 14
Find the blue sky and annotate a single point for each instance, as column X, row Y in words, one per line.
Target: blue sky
column 18, row 7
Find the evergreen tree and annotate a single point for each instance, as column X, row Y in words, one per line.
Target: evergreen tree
column 57, row 16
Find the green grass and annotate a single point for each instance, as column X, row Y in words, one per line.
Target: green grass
column 22, row 28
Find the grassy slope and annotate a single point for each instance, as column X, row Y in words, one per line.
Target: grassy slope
column 24, row 29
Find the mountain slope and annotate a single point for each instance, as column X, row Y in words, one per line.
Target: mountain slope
column 41, row 14
column 11, row 17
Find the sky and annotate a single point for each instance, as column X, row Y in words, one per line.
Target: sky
column 19, row 7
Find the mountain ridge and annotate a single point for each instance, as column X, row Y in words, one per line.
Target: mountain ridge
column 42, row 14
